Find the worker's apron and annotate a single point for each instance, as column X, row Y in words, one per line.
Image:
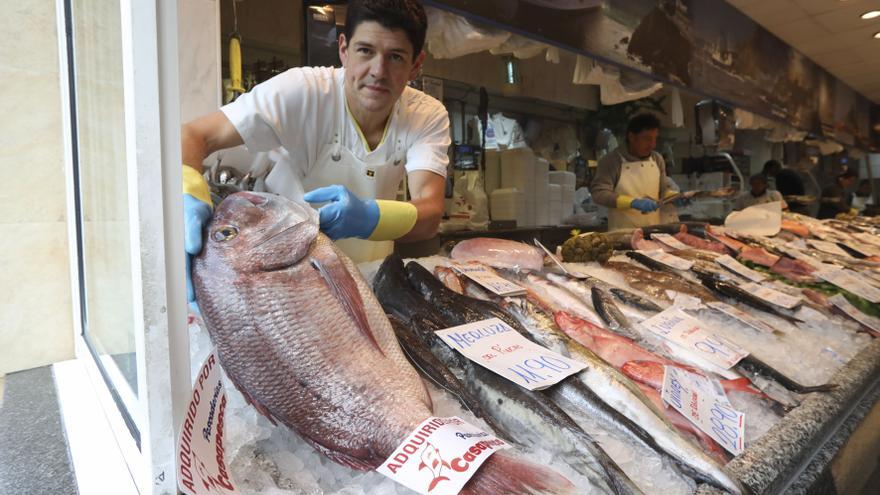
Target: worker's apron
column 639, row 179
column 338, row 165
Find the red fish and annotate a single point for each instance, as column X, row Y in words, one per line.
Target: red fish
column 691, row 240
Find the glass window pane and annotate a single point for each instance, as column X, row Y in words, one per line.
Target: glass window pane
column 103, row 186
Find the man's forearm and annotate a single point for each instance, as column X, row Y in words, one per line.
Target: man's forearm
column 428, row 221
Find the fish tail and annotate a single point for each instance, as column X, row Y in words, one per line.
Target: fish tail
column 504, row 474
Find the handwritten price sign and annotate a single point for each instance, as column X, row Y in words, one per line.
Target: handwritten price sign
column 494, row 345
column 676, row 326
column 488, row 279
column 703, row 402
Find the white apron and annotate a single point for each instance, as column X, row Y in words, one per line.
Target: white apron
column 639, row 179
column 336, row 164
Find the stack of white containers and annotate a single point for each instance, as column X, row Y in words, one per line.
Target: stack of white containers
column 566, row 182
column 542, row 192
column 555, row 193
column 518, row 172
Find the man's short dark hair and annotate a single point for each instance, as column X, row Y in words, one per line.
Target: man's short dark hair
column 770, row 166
column 760, row 177
column 642, row 122
column 406, row 15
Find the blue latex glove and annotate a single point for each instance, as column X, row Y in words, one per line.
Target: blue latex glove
column 644, row 205
column 346, row 215
column 196, row 214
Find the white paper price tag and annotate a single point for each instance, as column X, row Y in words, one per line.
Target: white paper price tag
column 869, row 321
column 440, row 456
column 669, row 260
column 772, row 296
column 494, row 345
column 862, row 248
column 736, row 267
column 201, row 457
column 669, row 241
column 741, row 316
column 676, row 326
column 873, row 240
column 704, row 404
column 829, row 247
column 485, row 277
column 849, row 280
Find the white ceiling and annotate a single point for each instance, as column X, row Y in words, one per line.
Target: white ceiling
column 831, row 32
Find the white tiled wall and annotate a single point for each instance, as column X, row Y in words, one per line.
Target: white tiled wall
column 35, row 311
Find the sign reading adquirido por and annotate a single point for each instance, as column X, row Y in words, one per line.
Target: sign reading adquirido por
column 440, row 456
column 201, row 457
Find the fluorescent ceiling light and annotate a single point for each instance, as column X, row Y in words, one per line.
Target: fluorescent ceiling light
column 871, row 14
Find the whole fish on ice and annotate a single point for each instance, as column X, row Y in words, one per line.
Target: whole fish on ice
column 298, row 331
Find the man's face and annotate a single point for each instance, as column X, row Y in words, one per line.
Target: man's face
column 378, row 64
column 758, row 187
column 642, row 144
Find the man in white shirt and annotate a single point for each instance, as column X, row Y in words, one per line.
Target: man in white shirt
column 348, row 136
column 758, row 194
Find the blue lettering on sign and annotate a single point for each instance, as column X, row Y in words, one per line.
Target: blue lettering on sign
column 711, row 346
column 667, row 324
column 675, row 393
column 527, row 376
column 469, row 338
column 721, row 414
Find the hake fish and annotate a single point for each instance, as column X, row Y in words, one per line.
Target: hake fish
column 530, row 413
column 287, row 311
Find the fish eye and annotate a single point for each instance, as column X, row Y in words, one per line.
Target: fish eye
column 225, row 233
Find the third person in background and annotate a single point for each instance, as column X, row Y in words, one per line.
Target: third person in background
column 836, row 198
column 757, row 194
column 631, row 180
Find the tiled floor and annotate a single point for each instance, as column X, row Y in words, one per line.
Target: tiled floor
column 2, row 380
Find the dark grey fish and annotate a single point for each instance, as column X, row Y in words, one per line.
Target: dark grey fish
column 733, row 291
column 634, row 300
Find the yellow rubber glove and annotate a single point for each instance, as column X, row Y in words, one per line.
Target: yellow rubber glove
column 624, row 202
column 396, row 219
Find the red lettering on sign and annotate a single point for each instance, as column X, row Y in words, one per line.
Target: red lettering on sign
column 223, row 477
column 458, row 465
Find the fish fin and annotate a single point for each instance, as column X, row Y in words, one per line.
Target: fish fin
column 343, row 286
column 342, row 458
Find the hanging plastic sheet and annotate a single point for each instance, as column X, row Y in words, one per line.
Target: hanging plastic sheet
column 614, row 86
column 453, row 36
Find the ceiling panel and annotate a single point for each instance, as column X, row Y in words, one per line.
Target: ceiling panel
column 831, row 32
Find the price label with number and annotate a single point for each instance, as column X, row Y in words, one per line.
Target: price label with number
column 488, row 279
column 676, row 326
column 772, row 296
column 829, row 247
column 850, row 281
column 703, row 402
column 669, row 260
column 736, row 267
column 494, row 345
column 742, row 316
column 669, row 241
column 869, row 321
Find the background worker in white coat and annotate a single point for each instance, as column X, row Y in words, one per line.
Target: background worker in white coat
column 631, row 179
column 351, row 134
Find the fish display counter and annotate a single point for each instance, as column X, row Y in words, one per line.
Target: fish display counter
column 674, row 359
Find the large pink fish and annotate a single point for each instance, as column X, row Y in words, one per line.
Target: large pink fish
column 499, row 253
column 301, row 335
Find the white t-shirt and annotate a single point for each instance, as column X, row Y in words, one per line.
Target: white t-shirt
column 300, row 110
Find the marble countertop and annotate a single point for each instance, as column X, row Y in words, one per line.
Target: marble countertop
column 800, row 446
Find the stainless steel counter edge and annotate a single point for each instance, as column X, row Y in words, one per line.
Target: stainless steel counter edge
column 776, row 461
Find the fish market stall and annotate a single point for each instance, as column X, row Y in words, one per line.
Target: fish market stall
column 670, row 359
